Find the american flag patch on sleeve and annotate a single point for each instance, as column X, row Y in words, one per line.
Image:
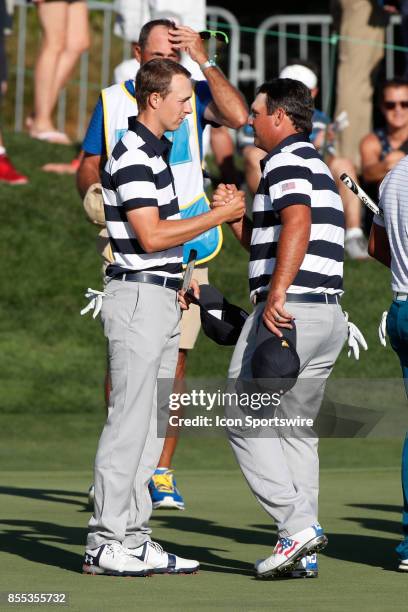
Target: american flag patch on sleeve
column 288, row 186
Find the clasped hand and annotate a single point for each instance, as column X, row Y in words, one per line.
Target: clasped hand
column 226, row 195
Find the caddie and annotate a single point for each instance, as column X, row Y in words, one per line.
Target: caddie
column 214, row 100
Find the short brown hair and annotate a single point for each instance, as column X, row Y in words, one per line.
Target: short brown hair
column 155, row 77
column 295, row 99
column 149, row 26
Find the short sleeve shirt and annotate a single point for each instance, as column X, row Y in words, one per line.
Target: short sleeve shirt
column 294, row 173
column 137, row 175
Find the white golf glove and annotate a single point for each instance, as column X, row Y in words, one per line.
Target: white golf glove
column 354, row 339
column 95, row 302
column 382, row 328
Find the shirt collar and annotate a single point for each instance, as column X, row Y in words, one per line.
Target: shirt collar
column 160, row 146
column 297, row 137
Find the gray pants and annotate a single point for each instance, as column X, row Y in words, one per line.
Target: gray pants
column 141, row 323
column 283, row 472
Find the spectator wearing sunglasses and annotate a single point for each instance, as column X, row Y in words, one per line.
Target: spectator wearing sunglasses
column 385, row 147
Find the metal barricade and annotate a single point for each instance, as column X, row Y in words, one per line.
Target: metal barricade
column 216, row 14
column 282, row 26
column 303, row 23
column 389, row 41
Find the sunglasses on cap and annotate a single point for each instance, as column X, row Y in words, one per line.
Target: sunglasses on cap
column 217, row 34
column 390, row 105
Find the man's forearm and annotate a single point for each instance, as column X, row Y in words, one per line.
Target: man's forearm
column 167, row 234
column 228, row 100
column 88, row 173
column 292, row 247
column 379, row 246
column 242, row 231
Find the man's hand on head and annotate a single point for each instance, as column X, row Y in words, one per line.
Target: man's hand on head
column 188, row 40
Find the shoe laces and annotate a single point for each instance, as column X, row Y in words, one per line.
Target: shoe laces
column 164, row 482
column 157, row 547
column 114, row 549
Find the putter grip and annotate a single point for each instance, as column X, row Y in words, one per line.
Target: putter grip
column 361, row 194
column 189, row 269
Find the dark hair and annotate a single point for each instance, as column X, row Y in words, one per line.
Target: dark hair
column 307, row 64
column 395, row 82
column 155, row 77
column 295, row 99
column 148, row 27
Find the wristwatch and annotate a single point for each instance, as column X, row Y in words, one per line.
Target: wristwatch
column 208, row 64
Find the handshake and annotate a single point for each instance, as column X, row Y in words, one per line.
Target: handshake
column 229, row 203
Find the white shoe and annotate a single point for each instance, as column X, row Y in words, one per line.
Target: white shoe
column 289, row 550
column 112, row 559
column 161, row 562
column 403, row 565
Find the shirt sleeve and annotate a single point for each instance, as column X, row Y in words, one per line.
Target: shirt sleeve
column 203, row 99
column 94, row 141
column 135, row 186
column 288, row 185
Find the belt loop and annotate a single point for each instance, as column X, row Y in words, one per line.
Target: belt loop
column 165, row 281
column 124, row 277
column 326, row 298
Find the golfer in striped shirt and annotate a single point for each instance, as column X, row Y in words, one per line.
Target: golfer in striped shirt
column 141, row 320
column 295, row 239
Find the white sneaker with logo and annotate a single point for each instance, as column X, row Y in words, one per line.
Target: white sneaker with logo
column 113, row 560
column 403, row 565
column 289, row 550
column 162, row 562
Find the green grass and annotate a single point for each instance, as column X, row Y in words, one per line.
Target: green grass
column 55, row 358
column 43, row 518
column 51, row 413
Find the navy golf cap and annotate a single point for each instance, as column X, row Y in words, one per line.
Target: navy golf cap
column 220, row 320
column 275, row 362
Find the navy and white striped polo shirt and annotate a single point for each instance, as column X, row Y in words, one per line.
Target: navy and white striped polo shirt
column 294, row 173
column 136, row 175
